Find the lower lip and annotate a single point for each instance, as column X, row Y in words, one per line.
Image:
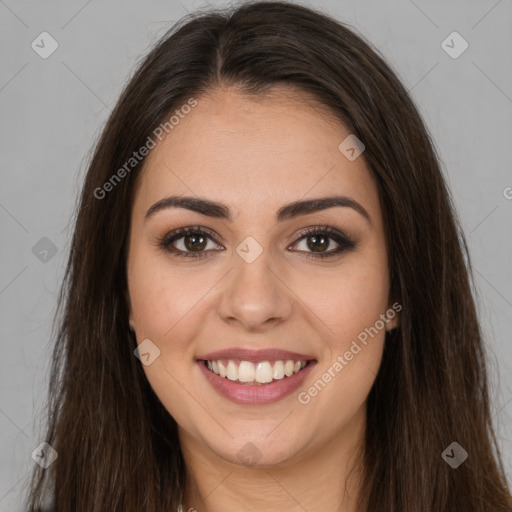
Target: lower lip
column 247, row 394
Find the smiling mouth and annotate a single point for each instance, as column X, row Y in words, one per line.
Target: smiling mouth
column 255, row 374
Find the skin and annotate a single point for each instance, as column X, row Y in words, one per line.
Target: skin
column 256, row 154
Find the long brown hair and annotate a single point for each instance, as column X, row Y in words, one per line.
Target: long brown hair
column 117, row 446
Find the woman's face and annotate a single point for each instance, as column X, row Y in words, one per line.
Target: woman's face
column 258, row 288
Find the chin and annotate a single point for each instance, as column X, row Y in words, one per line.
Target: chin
column 257, row 451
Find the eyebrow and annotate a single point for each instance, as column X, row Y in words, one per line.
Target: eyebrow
column 287, row 212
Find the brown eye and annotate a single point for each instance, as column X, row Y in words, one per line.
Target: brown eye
column 318, row 243
column 188, row 242
column 318, row 240
column 194, row 242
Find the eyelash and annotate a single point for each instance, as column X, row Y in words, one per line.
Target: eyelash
column 344, row 242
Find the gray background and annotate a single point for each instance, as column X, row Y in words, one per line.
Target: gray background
column 52, row 109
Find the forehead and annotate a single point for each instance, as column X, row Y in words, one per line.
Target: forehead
column 255, row 153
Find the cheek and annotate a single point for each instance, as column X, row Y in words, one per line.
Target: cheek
column 350, row 303
column 163, row 298
column 352, row 346
column 164, row 308
column 349, row 300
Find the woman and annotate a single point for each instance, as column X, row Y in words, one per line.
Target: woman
column 267, row 304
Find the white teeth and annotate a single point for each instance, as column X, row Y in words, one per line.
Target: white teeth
column 288, row 368
column 232, row 371
column 262, row 372
column 222, row 369
column 278, row 370
column 246, row 372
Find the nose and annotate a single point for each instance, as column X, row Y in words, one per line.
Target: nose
column 255, row 296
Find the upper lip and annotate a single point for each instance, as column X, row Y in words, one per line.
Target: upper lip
column 247, row 354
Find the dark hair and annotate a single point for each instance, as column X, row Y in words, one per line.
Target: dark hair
column 117, row 446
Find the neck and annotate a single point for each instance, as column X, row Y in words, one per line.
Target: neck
column 325, row 475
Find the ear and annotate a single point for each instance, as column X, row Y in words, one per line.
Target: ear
column 130, row 311
column 393, row 315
